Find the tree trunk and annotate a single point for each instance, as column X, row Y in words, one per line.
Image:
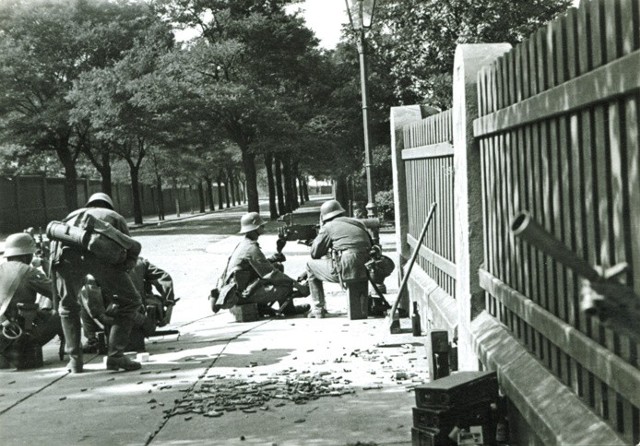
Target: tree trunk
column 268, row 163
column 177, row 196
column 294, row 187
column 220, row 192
column 201, row 197
column 300, row 190
column 232, row 187
column 305, row 188
column 248, row 163
column 135, row 192
column 210, row 193
column 282, row 205
column 105, row 173
column 238, row 189
column 288, row 192
column 341, row 191
column 160, row 198
column 226, row 193
column 70, row 178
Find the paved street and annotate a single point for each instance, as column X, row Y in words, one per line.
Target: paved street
column 292, row 381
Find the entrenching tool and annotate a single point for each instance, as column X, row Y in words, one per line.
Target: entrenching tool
column 393, row 320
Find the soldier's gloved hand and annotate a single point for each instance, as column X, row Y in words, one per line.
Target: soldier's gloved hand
column 608, row 294
column 375, row 252
column 277, row 257
column 36, row 262
column 280, row 243
column 302, row 278
column 303, row 288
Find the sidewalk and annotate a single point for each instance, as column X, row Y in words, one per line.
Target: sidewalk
column 293, row 381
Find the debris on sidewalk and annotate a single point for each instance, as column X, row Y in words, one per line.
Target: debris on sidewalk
column 219, row 394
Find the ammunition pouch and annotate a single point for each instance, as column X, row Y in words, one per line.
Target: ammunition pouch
column 225, row 297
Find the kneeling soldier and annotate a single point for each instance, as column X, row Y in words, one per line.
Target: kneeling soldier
column 348, row 242
column 19, row 285
column 259, row 279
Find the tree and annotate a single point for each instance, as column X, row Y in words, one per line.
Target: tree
column 419, row 37
column 45, row 45
column 107, row 99
column 242, row 71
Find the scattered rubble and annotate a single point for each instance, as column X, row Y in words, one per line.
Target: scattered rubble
column 218, row 394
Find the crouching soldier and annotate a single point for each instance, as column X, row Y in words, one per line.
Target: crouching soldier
column 155, row 311
column 99, row 258
column 348, row 242
column 260, row 280
column 19, row 285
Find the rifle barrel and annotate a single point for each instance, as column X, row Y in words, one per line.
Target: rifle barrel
column 525, row 227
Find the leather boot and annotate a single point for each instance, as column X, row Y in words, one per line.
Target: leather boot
column 72, row 334
column 317, row 296
column 118, row 341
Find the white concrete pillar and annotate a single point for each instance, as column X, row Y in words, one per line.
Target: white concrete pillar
column 469, row 59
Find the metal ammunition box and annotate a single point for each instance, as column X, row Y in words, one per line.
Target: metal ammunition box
column 458, row 390
column 446, row 419
column 430, row 437
column 245, row 313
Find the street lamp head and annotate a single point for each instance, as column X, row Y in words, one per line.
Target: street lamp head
column 360, row 13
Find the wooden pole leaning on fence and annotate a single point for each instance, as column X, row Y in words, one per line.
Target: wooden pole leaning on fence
column 394, row 321
column 602, row 295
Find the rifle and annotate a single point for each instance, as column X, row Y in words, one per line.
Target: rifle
column 304, row 234
column 602, row 295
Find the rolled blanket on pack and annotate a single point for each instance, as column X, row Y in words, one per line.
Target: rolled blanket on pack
column 99, row 238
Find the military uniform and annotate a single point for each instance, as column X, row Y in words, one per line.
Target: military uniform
column 146, row 277
column 71, row 265
column 348, row 242
column 19, row 284
column 262, row 281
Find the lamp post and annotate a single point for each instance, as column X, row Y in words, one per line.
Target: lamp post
column 361, row 17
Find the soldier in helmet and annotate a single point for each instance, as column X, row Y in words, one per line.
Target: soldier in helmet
column 72, row 265
column 348, row 242
column 19, row 284
column 265, row 283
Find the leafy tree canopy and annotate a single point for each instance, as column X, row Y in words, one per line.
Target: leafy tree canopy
column 419, row 37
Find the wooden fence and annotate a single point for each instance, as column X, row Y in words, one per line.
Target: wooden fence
column 428, row 161
column 559, row 137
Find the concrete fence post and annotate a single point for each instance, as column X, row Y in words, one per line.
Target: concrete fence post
column 469, row 59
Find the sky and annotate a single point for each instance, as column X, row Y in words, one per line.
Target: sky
column 324, row 17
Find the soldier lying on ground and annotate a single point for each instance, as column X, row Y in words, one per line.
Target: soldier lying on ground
column 261, row 280
column 146, row 277
column 19, row 285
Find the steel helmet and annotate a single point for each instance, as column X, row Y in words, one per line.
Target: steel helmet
column 19, row 244
column 330, row 209
column 100, row 197
column 250, row 222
